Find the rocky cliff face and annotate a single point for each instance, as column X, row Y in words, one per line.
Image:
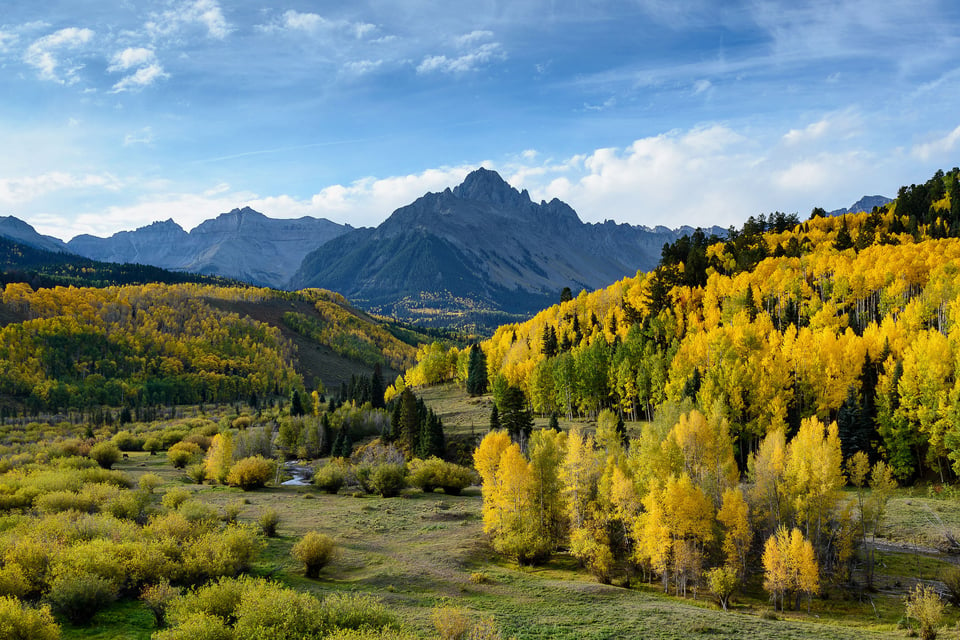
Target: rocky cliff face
column 481, row 243
column 21, row 232
column 242, row 244
column 866, row 203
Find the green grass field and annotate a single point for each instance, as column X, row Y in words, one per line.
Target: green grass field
column 422, row 550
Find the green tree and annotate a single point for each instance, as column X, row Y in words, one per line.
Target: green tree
column 515, row 417
column 296, row 404
column 409, row 422
column 376, row 387
column 477, row 372
column 548, row 342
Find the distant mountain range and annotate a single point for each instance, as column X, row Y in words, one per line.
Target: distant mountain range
column 243, row 244
column 866, row 203
column 482, row 247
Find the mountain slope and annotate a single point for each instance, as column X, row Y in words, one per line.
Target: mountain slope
column 22, row 233
column 864, row 204
column 242, row 244
column 482, row 246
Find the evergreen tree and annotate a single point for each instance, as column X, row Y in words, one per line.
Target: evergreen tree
column 622, row 431
column 296, row 404
column 548, row 346
column 843, row 240
column 346, row 445
column 409, row 422
column 432, row 440
column 494, row 419
column 554, row 423
column 566, row 295
column 849, row 422
column 326, row 436
column 337, row 445
column 376, row 387
column 477, row 372
column 515, row 417
column 396, row 420
column 577, row 334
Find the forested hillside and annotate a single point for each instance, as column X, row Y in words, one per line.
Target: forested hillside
column 67, row 347
column 852, row 319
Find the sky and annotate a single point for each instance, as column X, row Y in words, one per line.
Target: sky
column 118, row 113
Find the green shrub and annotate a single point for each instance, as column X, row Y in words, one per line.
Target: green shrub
column 173, row 498
column 269, row 520
column 388, row 480
column 58, row 501
column 232, row 511
column 126, row 441
column 80, row 596
column 268, row 610
column 21, row 622
column 197, row 626
column 356, row 611
column 157, row 597
column 251, row 473
column 329, row 478
column 105, row 453
column 951, row 579
column 924, row 606
column 183, row 453
column 152, row 444
column 97, row 475
column 148, row 482
column 219, row 599
column 314, row 550
column 196, row 511
column 13, row 582
column 435, row 473
column 196, row 472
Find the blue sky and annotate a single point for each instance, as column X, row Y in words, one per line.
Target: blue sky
column 116, row 113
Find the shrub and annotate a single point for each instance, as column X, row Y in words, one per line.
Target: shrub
column 435, row 473
column 182, row 453
column 196, row 472
column 219, row 599
column 951, row 579
column 251, row 473
column 241, row 422
column 722, row 581
column 13, row 582
column 148, row 482
column 97, row 475
column 388, row 480
column 356, row 611
column 18, row 620
column 231, row 511
column 451, row 623
column 196, row 511
column 105, row 453
column 268, row 610
column 126, row 441
column 80, row 596
column 329, row 478
column 152, row 444
column 924, row 606
column 57, row 501
column 175, row 497
column 201, row 440
column 158, row 597
column 269, row 521
column 196, row 626
column 314, row 550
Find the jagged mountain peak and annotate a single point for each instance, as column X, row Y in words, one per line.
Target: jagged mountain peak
column 486, row 185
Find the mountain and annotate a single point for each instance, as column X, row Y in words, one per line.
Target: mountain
column 482, row 247
column 866, row 203
column 22, row 233
column 242, row 244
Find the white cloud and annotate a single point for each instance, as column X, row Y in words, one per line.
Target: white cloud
column 700, row 86
column 15, row 191
column 844, row 124
column 472, row 38
column 462, row 64
column 313, row 23
column 132, row 57
column 937, row 148
column 361, row 67
column 7, row 39
column 45, row 54
column 144, row 136
column 204, row 13
column 143, row 77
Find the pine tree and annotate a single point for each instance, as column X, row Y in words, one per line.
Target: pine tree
column 843, row 240
column 554, row 423
column 346, row 445
column 515, row 417
column 494, row 419
column 296, row 404
column 477, row 372
column 376, row 387
column 409, row 422
column 548, row 342
column 432, row 440
column 337, row 445
column 326, row 436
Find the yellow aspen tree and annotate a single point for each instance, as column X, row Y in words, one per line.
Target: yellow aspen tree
column 219, row 458
column 734, row 516
column 579, row 474
column 814, row 474
column 766, row 468
column 486, row 460
column 776, row 566
column 547, row 450
column 804, row 571
column 519, row 535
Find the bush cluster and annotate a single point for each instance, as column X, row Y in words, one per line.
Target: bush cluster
column 433, row 473
column 251, row 473
column 314, row 550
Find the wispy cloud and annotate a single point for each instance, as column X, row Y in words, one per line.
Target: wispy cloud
column 24, row 189
column 939, row 147
column 49, row 55
column 465, row 63
column 206, row 14
column 314, row 23
column 148, row 69
column 361, row 67
column 143, row 136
